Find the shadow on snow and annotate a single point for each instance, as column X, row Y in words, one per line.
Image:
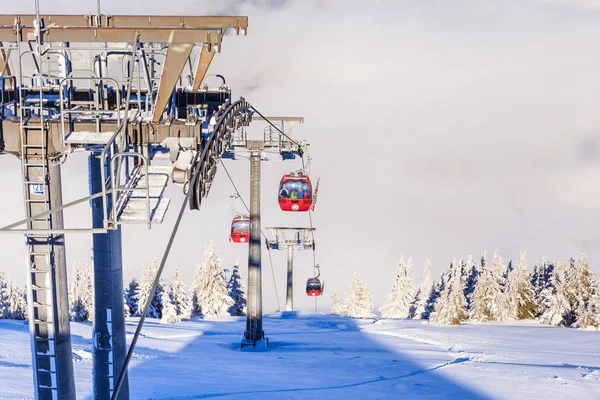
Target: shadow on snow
column 340, row 361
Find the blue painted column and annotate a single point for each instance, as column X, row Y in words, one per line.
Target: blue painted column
column 109, row 317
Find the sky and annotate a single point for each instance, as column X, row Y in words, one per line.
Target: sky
column 438, row 129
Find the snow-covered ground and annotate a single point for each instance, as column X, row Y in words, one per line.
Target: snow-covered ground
column 318, row 356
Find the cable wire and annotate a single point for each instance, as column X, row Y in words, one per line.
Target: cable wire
column 261, row 231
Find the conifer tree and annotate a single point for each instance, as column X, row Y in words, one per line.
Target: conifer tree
column 178, row 295
column 211, row 297
column 17, row 306
column 436, row 291
column 399, row 300
column 126, row 310
column 235, row 288
column 486, row 301
column 554, row 304
column 451, row 307
column 143, row 291
column 358, row 303
column 81, row 293
column 580, row 292
column 169, row 310
column 419, row 307
column 519, row 294
column 131, row 298
column 336, row 307
column 473, row 271
column 4, row 296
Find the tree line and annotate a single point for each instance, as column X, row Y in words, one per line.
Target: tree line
column 214, row 292
column 560, row 293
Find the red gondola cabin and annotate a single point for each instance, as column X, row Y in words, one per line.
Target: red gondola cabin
column 295, row 193
column 240, row 230
column 313, row 287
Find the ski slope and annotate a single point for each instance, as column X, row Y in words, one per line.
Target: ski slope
column 319, row 356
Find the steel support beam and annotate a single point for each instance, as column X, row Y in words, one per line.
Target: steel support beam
column 109, row 344
column 47, row 286
column 142, row 21
column 114, row 35
column 175, row 59
column 289, row 294
column 206, row 57
column 254, row 330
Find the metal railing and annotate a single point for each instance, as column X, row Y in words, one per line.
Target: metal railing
column 128, row 189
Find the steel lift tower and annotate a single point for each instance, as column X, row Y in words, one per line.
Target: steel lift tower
column 290, row 238
column 275, row 138
column 51, row 107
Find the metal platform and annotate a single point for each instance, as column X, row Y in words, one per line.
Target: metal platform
column 133, row 208
column 87, row 137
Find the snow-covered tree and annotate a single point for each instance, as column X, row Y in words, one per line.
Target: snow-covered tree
column 210, row 295
column 178, row 295
column 169, row 310
column 519, row 295
column 235, row 288
column 487, row 300
column 580, row 293
column 451, row 307
column 131, row 298
column 126, row 310
column 12, row 299
column 358, row 303
column 436, row 291
column 399, row 300
column 554, row 304
column 4, row 296
column 419, row 306
column 590, row 315
column 336, row 307
column 540, row 278
column 473, row 270
column 81, row 293
column 143, row 291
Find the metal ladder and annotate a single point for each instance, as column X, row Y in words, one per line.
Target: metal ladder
column 35, row 168
column 48, row 324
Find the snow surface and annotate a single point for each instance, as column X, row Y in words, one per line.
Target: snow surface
column 313, row 355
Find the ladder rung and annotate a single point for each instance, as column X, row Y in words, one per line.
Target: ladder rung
column 40, row 339
column 40, row 322
column 36, row 304
column 36, row 287
column 30, row 164
column 40, row 271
